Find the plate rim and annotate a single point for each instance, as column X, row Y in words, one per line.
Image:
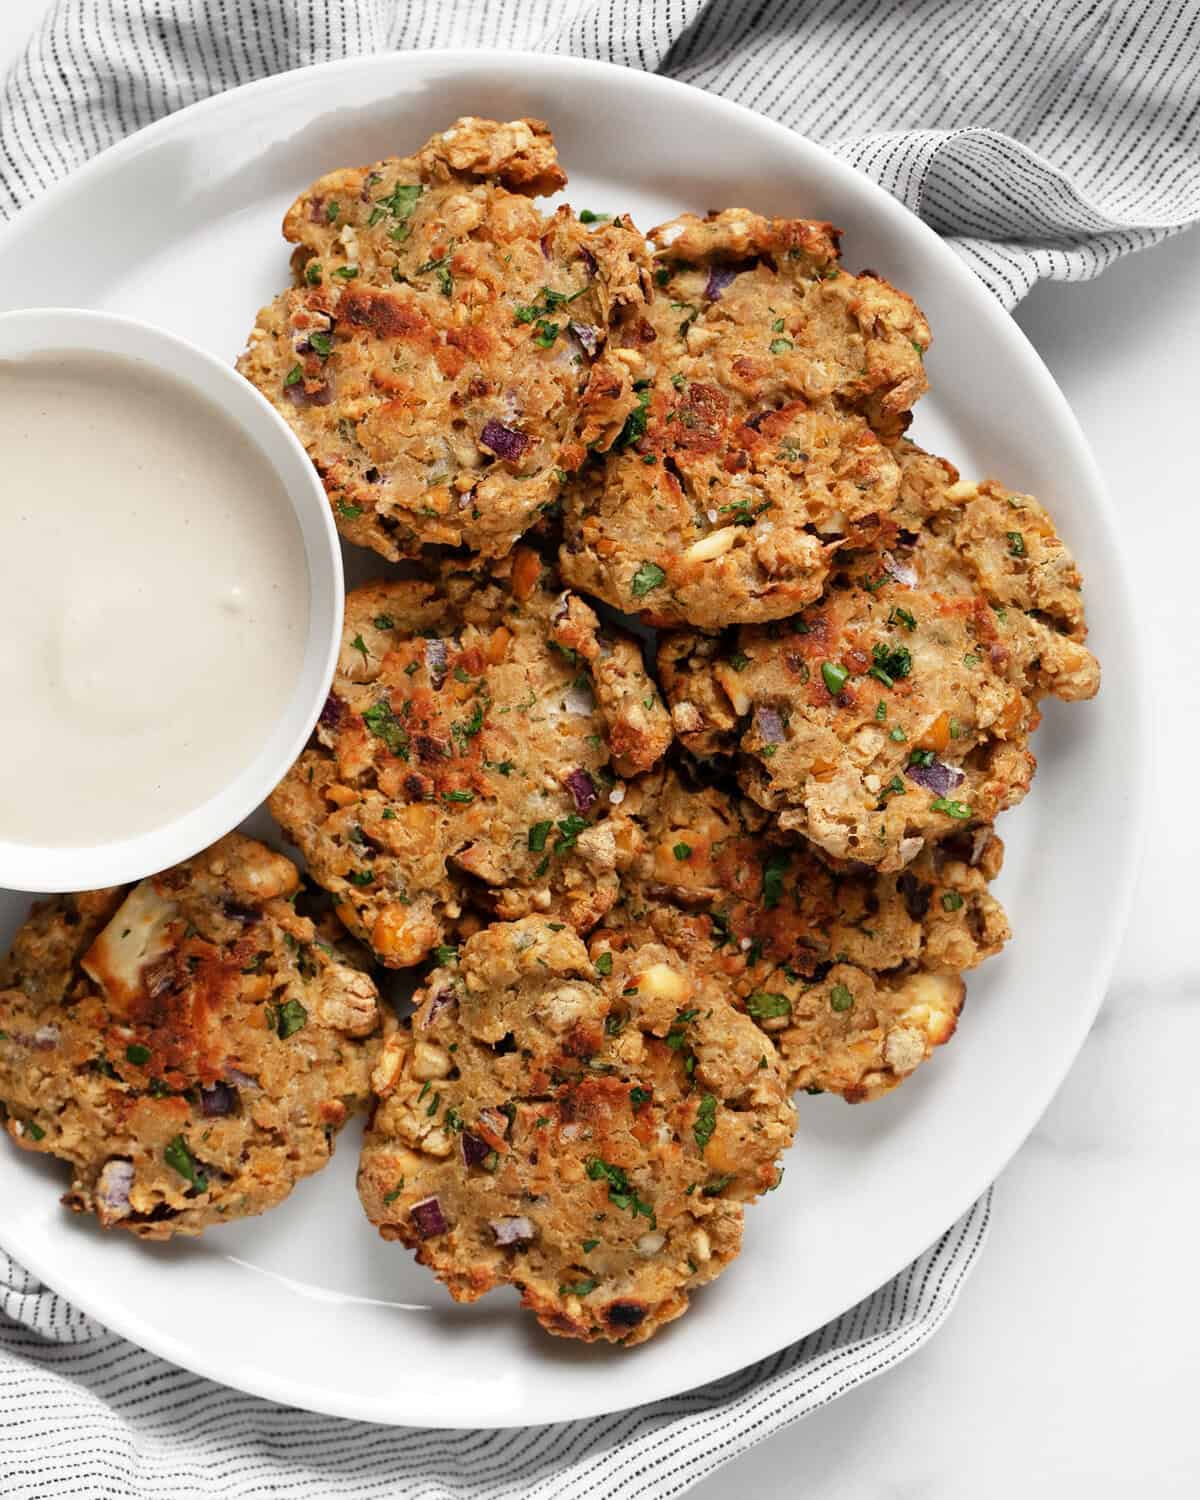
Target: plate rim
column 284, row 1389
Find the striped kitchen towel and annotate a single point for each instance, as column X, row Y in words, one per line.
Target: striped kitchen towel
column 1043, row 138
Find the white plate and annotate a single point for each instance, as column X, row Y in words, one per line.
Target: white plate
column 180, row 225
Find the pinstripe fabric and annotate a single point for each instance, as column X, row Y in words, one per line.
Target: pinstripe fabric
column 1043, row 140
column 84, row 1413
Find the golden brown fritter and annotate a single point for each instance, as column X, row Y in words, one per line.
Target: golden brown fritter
column 442, row 355
column 188, row 1044
column 898, row 708
column 856, row 976
column 471, row 753
column 764, row 374
column 586, row 1132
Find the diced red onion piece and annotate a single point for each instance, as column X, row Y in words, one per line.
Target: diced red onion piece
column 512, row 1231
column 475, row 1149
column 902, row 572
column 114, row 1185
column 435, row 661
column 298, row 396
column 588, row 336
column 589, row 260
column 440, row 1001
column 428, row 1217
column 719, row 277
column 547, row 243
column 219, row 1100
column 505, row 442
column 331, row 714
column 46, row 1037
column 983, row 837
column 936, row 778
column 770, row 726
column 495, row 1120
column 240, row 1080
column 582, row 788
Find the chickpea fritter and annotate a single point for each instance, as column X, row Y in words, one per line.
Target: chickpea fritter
column 897, row 709
column 855, row 976
column 588, row 1132
column 188, row 1044
column 470, row 755
column 765, row 375
column 442, row 354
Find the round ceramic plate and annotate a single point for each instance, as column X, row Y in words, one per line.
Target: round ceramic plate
column 180, row 225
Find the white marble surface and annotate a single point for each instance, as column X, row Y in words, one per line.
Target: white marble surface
column 1071, row 1365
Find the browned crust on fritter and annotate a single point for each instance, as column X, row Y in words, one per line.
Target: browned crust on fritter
column 188, row 1044
column 585, row 1132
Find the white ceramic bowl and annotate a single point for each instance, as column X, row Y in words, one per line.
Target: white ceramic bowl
column 29, row 867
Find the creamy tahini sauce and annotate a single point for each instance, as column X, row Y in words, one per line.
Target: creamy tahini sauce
column 153, row 599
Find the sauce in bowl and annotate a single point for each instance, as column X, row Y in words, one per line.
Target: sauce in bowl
column 153, row 599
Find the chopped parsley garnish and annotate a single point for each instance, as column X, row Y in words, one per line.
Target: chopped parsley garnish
column 545, row 334
column 385, row 726
column 739, row 661
column 359, row 645
column 332, row 210
column 764, row 1006
column 717, row 1186
column 774, row 869
column 951, row 901
column 181, row 1159
column 589, row 1246
column 893, row 788
column 579, row 1288
column 649, row 576
column 777, row 326
column 639, row 1096
column 35, row 1130
column 538, row 835
column 681, row 851
column 349, row 512
column 383, row 622
column 569, row 829
column 441, row 269
column 458, row 796
column 781, row 346
column 347, row 273
column 920, row 757
column 445, row 953
column 635, row 422
column 395, row 1192
column 898, row 735
column 970, row 659
column 890, row 663
column 546, row 302
column 469, row 727
column 293, row 377
column 401, row 201
column 958, row 810
column 706, row 1121
column 137, row 1054
column 957, row 732
column 903, row 617
column 840, row 998
column 434, row 1105
column 290, row 1018
column 1016, row 543
column 620, row 1194
column 322, row 343
column 604, row 963
column 586, row 216
column 834, row 677
column 360, row 877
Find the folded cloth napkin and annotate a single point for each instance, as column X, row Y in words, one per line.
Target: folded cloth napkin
column 1044, row 141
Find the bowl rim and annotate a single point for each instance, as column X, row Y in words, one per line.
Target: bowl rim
column 28, row 332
